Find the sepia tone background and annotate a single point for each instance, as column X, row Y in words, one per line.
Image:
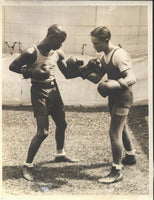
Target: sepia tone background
column 87, row 133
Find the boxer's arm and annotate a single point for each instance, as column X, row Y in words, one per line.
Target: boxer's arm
column 27, row 57
column 107, row 87
column 66, row 71
column 95, row 77
column 96, row 70
column 93, row 66
column 128, row 78
column 122, row 60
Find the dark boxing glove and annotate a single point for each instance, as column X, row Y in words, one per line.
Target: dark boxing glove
column 107, row 87
column 94, row 65
column 41, row 72
column 73, row 63
column 26, row 71
column 37, row 71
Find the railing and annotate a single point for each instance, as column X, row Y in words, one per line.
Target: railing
column 12, row 47
column 82, row 49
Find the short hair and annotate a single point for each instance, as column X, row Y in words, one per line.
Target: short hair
column 102, row 33
column 57, row 31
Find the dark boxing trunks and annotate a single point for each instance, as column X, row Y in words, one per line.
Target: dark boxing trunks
column 121, row 99
column 46, row 99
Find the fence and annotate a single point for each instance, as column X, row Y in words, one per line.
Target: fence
column 27, row 25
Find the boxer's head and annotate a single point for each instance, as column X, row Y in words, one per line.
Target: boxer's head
column 100, row 38
column 56, row 35
column 102, row 33
column 57, row 32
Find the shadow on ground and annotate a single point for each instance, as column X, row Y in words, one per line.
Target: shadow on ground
column 137, row 119
column 53, row 176
column 138, row 123
column 77, row 178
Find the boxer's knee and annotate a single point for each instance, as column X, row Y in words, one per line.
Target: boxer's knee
column 118, row 120
column 42, row 134
column 119, row 111
column 62, row 125
column 99, row 89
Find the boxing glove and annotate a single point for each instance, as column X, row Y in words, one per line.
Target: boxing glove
column 37, row 71
column 26, row 71
column 94, row 65
column 107, row 87
column 41, row 72
column 73, row 63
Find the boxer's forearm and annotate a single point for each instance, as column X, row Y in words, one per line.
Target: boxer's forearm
column 128, row 79
column 25, row 58
column 95, row 77
column 66, row 72
column 15, row 68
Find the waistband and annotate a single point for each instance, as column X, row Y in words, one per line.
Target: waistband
column 45, row 85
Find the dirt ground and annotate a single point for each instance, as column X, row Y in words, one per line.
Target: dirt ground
column 87, row 139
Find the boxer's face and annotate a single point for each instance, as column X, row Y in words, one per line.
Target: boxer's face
column 54, row 42
column 98, row 44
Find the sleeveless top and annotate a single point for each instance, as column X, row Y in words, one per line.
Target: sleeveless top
column 113, row 71
column 50, row 60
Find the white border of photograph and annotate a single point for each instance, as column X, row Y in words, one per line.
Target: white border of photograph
column 150, row 90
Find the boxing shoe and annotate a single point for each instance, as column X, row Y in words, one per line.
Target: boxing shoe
column 115, row 175
column 129, row 160
column 65, row 159
column 27, row 172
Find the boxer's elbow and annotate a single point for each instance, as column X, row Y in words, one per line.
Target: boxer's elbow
column 14, row 68
column 132, row 80
column 66, row 74
column 129, row 77
column 11, row 67
column 70, row 76
column 94, row 79
column 64, row 70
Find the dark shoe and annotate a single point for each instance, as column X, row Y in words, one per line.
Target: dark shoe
column 129, row 160
column 114, row 176
column 65, row 159
column 27, row 173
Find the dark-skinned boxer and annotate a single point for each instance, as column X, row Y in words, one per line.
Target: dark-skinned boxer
column 38, row 63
